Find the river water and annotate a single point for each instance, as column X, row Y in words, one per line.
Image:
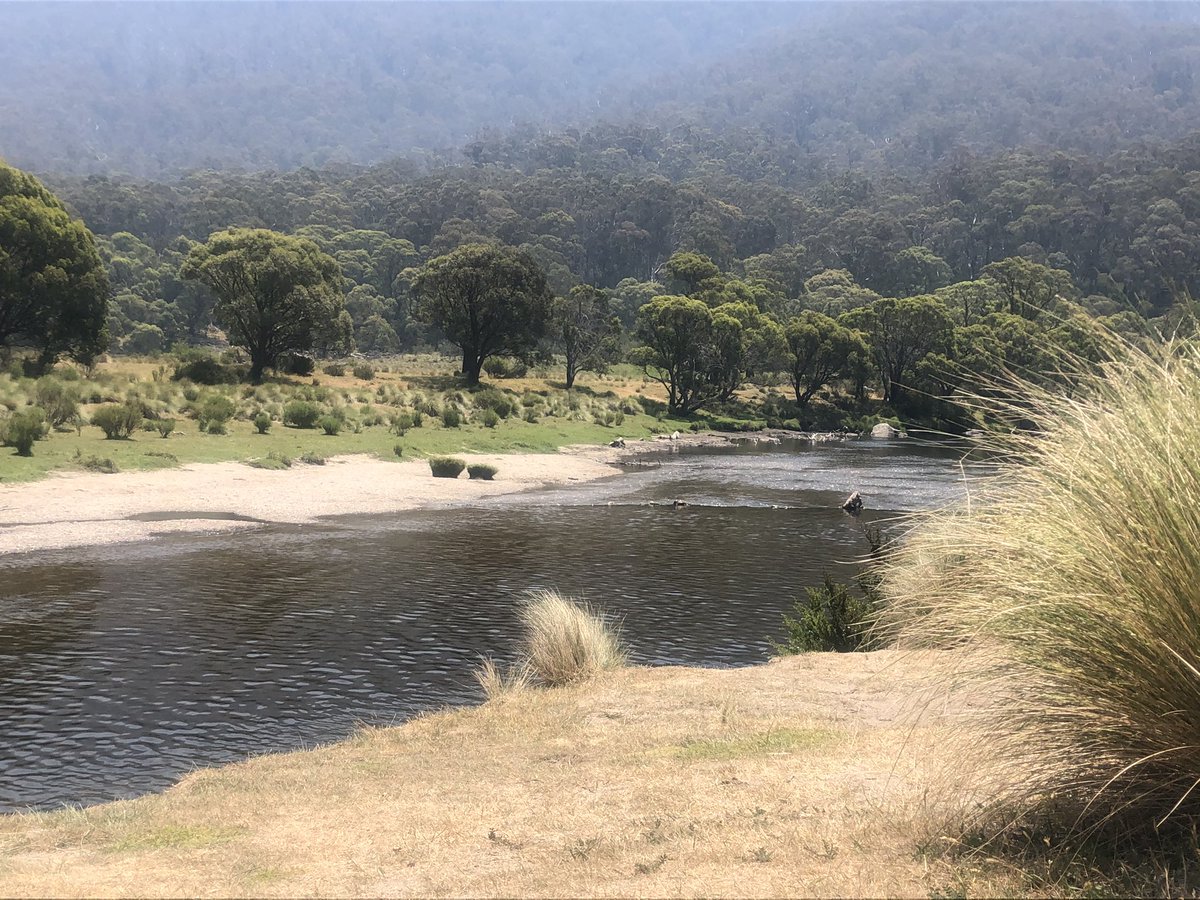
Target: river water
column 123, row 667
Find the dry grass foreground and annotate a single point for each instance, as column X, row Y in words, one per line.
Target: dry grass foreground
column 801, row 777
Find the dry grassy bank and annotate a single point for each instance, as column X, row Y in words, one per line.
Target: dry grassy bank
column 802, row 777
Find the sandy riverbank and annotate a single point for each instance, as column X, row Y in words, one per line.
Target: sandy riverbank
column 81, row 509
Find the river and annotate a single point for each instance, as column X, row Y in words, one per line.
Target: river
column 123, row 667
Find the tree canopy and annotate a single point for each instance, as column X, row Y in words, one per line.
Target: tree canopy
column 53, row 286
column 275, row 293
column 488, row 300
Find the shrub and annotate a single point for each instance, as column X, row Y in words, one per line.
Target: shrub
column 503, row 405
column 117, row 420
column 331, row 425
column 295, row 364
column 301, row 414
column 1069, row 584
column 164, row 426
column 452, row 416
column 98, row 464
column 446, row 466
column 489, row 418
column 567, row 641
column 22, row 428
column 337, row 370
column 829, row 618
column 401, row 423
column 505, row 367
column 262, row 423
column 530, row 415
column 312, row 458
column 273, row 460
column 215, row 412
column 196, row 365
column 482, row 471
column 364, row 372
column 398, row 449
column 59, row 401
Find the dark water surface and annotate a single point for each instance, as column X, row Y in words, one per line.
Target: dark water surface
column 122, row 668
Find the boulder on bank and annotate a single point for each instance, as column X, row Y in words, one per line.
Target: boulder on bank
column 853, row 504
column 885, row 431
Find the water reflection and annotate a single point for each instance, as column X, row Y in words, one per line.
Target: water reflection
column 120, row 674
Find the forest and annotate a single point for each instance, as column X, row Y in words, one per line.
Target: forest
column 870, row 232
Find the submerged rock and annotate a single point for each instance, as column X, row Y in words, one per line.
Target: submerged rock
column 853, row 504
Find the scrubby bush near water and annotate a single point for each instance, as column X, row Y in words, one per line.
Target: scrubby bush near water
column 446, row 466
column 482, row 471
column 1069, row 588
column 564, row 641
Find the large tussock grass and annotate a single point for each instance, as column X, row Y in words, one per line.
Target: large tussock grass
column 1070, row 585
column 564, row 641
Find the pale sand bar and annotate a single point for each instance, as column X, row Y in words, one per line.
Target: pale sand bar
column 84, row 509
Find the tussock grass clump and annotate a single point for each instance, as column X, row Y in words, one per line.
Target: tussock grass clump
column 482, row 471
column 566, row 640
column 1071, row 585
column 446, row 466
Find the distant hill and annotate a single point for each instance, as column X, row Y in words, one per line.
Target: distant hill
column 152, row 89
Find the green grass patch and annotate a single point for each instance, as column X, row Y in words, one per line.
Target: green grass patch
column 778, row 740
column 173, row 837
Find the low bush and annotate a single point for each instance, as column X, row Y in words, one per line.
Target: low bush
column 498, row 401
column 829, row 618
column 96, row 464
column 301, row 414
column 272, row 460
column 401, row 423
column 214, row 413
column 164, row 427
column 331, row 425
column 22, row 429
column 398, row 449
column 337, row 370
column 364, row 372
column 452, row 416
column 262, row 423
column 117, row 420
column 567, row 641
column 200, row 367
column 446, row 466
column 59, row 401
column 489, row 418
column 312, row 458
column 295, row 364
column 482, row 471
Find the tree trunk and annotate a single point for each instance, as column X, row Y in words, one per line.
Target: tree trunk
column 258, row 363
column 471, row 368
column 572, row 371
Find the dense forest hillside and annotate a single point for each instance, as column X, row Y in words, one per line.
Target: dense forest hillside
column 157, row 88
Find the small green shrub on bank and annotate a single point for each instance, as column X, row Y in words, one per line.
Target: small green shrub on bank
column 22, row 429
column 482, row 471
column 164, row 427
column 301, row 414
column 452, row 416
column 829, row 618
column 331, row 425
column 214, row 413
column 364, row 372
column 273, row 460
column 446, row 466
column 117, row 421
column 262, row 423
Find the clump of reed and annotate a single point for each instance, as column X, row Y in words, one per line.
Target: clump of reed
column 564, row 641
column 1070, row 586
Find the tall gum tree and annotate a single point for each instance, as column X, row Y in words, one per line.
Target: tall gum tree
column 488, row 299
column 53, row 287
column 275, row 293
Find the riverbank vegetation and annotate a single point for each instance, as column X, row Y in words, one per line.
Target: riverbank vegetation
column 1069, row 585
